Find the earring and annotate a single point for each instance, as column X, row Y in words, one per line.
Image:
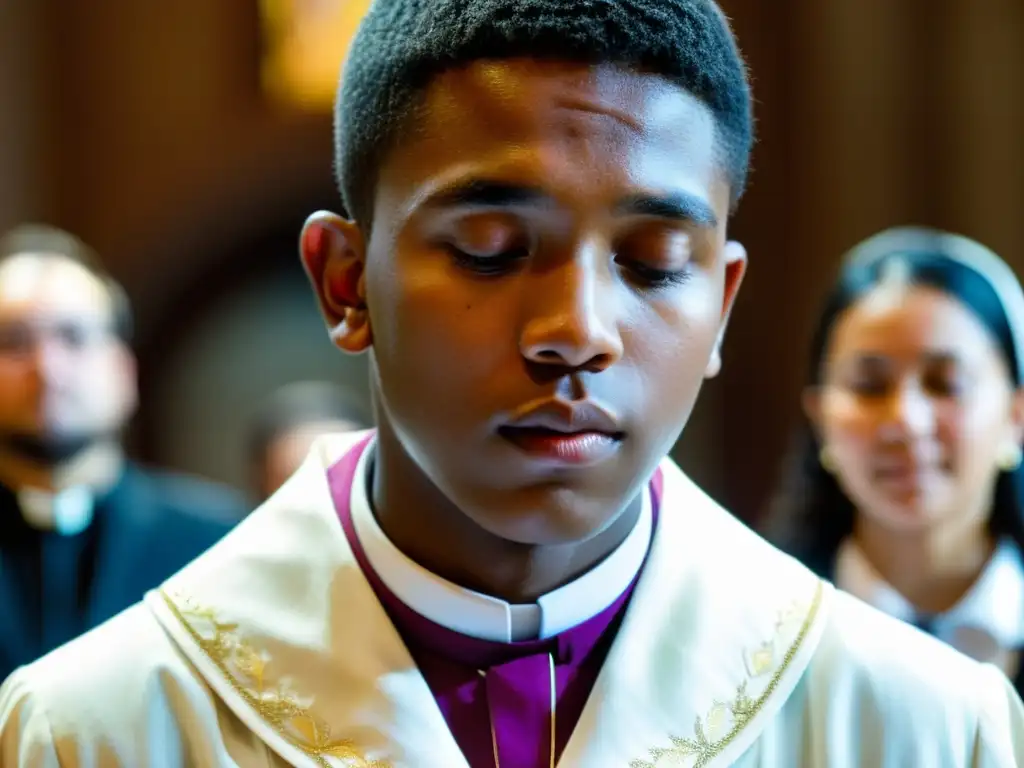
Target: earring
column 827, row 460
column 1010, row 457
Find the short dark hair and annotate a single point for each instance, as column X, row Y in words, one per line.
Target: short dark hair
column 811, row 515
column 299, row 403
column 402, row 44
column 45, row 240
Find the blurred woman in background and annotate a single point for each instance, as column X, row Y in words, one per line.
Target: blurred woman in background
column 905, row 488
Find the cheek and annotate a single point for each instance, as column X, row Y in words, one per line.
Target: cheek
column 12, row 378
column 668, row 345
column 108, row 384
column 848, row 428
column 103, row 368
column 977, row 433
column 672, row 345
column 689, row 316
column 435, row 330
column 13, row 392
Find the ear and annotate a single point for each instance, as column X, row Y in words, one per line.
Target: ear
column 735, row 256
column 128, row 370
column 1017, row 417
column 810, row 401
column 334, row 256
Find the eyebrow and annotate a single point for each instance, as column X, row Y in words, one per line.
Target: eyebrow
column 874, row 359
column 483, row 193
column 677, row 207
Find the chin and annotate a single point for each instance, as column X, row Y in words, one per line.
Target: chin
column 908, row 516
column 542, row 517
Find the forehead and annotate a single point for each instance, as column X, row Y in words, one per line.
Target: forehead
column 50, row 284
column 559, row 123
column 907, row 321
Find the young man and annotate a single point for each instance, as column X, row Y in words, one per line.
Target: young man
column 510, row 573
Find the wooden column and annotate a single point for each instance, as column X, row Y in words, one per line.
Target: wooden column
column 25, row 93
column 979, row 66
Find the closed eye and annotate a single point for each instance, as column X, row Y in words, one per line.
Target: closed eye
column 498, row 263
column 659, row 278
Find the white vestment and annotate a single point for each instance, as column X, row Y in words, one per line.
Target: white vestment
column 273, row 650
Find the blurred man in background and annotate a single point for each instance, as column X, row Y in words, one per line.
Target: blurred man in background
column 83, row 532
column 288, row 423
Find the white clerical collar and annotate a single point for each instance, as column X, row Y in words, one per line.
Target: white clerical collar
column 994, row 605
column 68, row 512
column 488, row 618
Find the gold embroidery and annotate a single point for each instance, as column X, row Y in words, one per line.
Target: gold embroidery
column 762, row 659
column 245, row 669
column 708, row 740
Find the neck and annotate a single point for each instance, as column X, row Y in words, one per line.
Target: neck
column 425, row 525
column 97, row 468
column 933, row 568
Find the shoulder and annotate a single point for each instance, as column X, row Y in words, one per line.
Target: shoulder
column 905, row 686
column 84, row 699
column 85, row 668
column 884, row 653
column 858, row 687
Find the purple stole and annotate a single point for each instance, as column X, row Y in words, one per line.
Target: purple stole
column 496, row 697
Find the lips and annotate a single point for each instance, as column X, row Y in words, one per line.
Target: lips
column 905, row 469
column 565, row 433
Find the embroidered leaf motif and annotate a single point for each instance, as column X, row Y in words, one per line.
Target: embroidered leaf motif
column 312, row 730
column 762, row 659
column 701, row 745
column 253, row 665
column 724, row 721
column 246, row 668
column 717, row 720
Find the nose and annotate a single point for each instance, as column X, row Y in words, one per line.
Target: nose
column 572, row 315
column 912, row 412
